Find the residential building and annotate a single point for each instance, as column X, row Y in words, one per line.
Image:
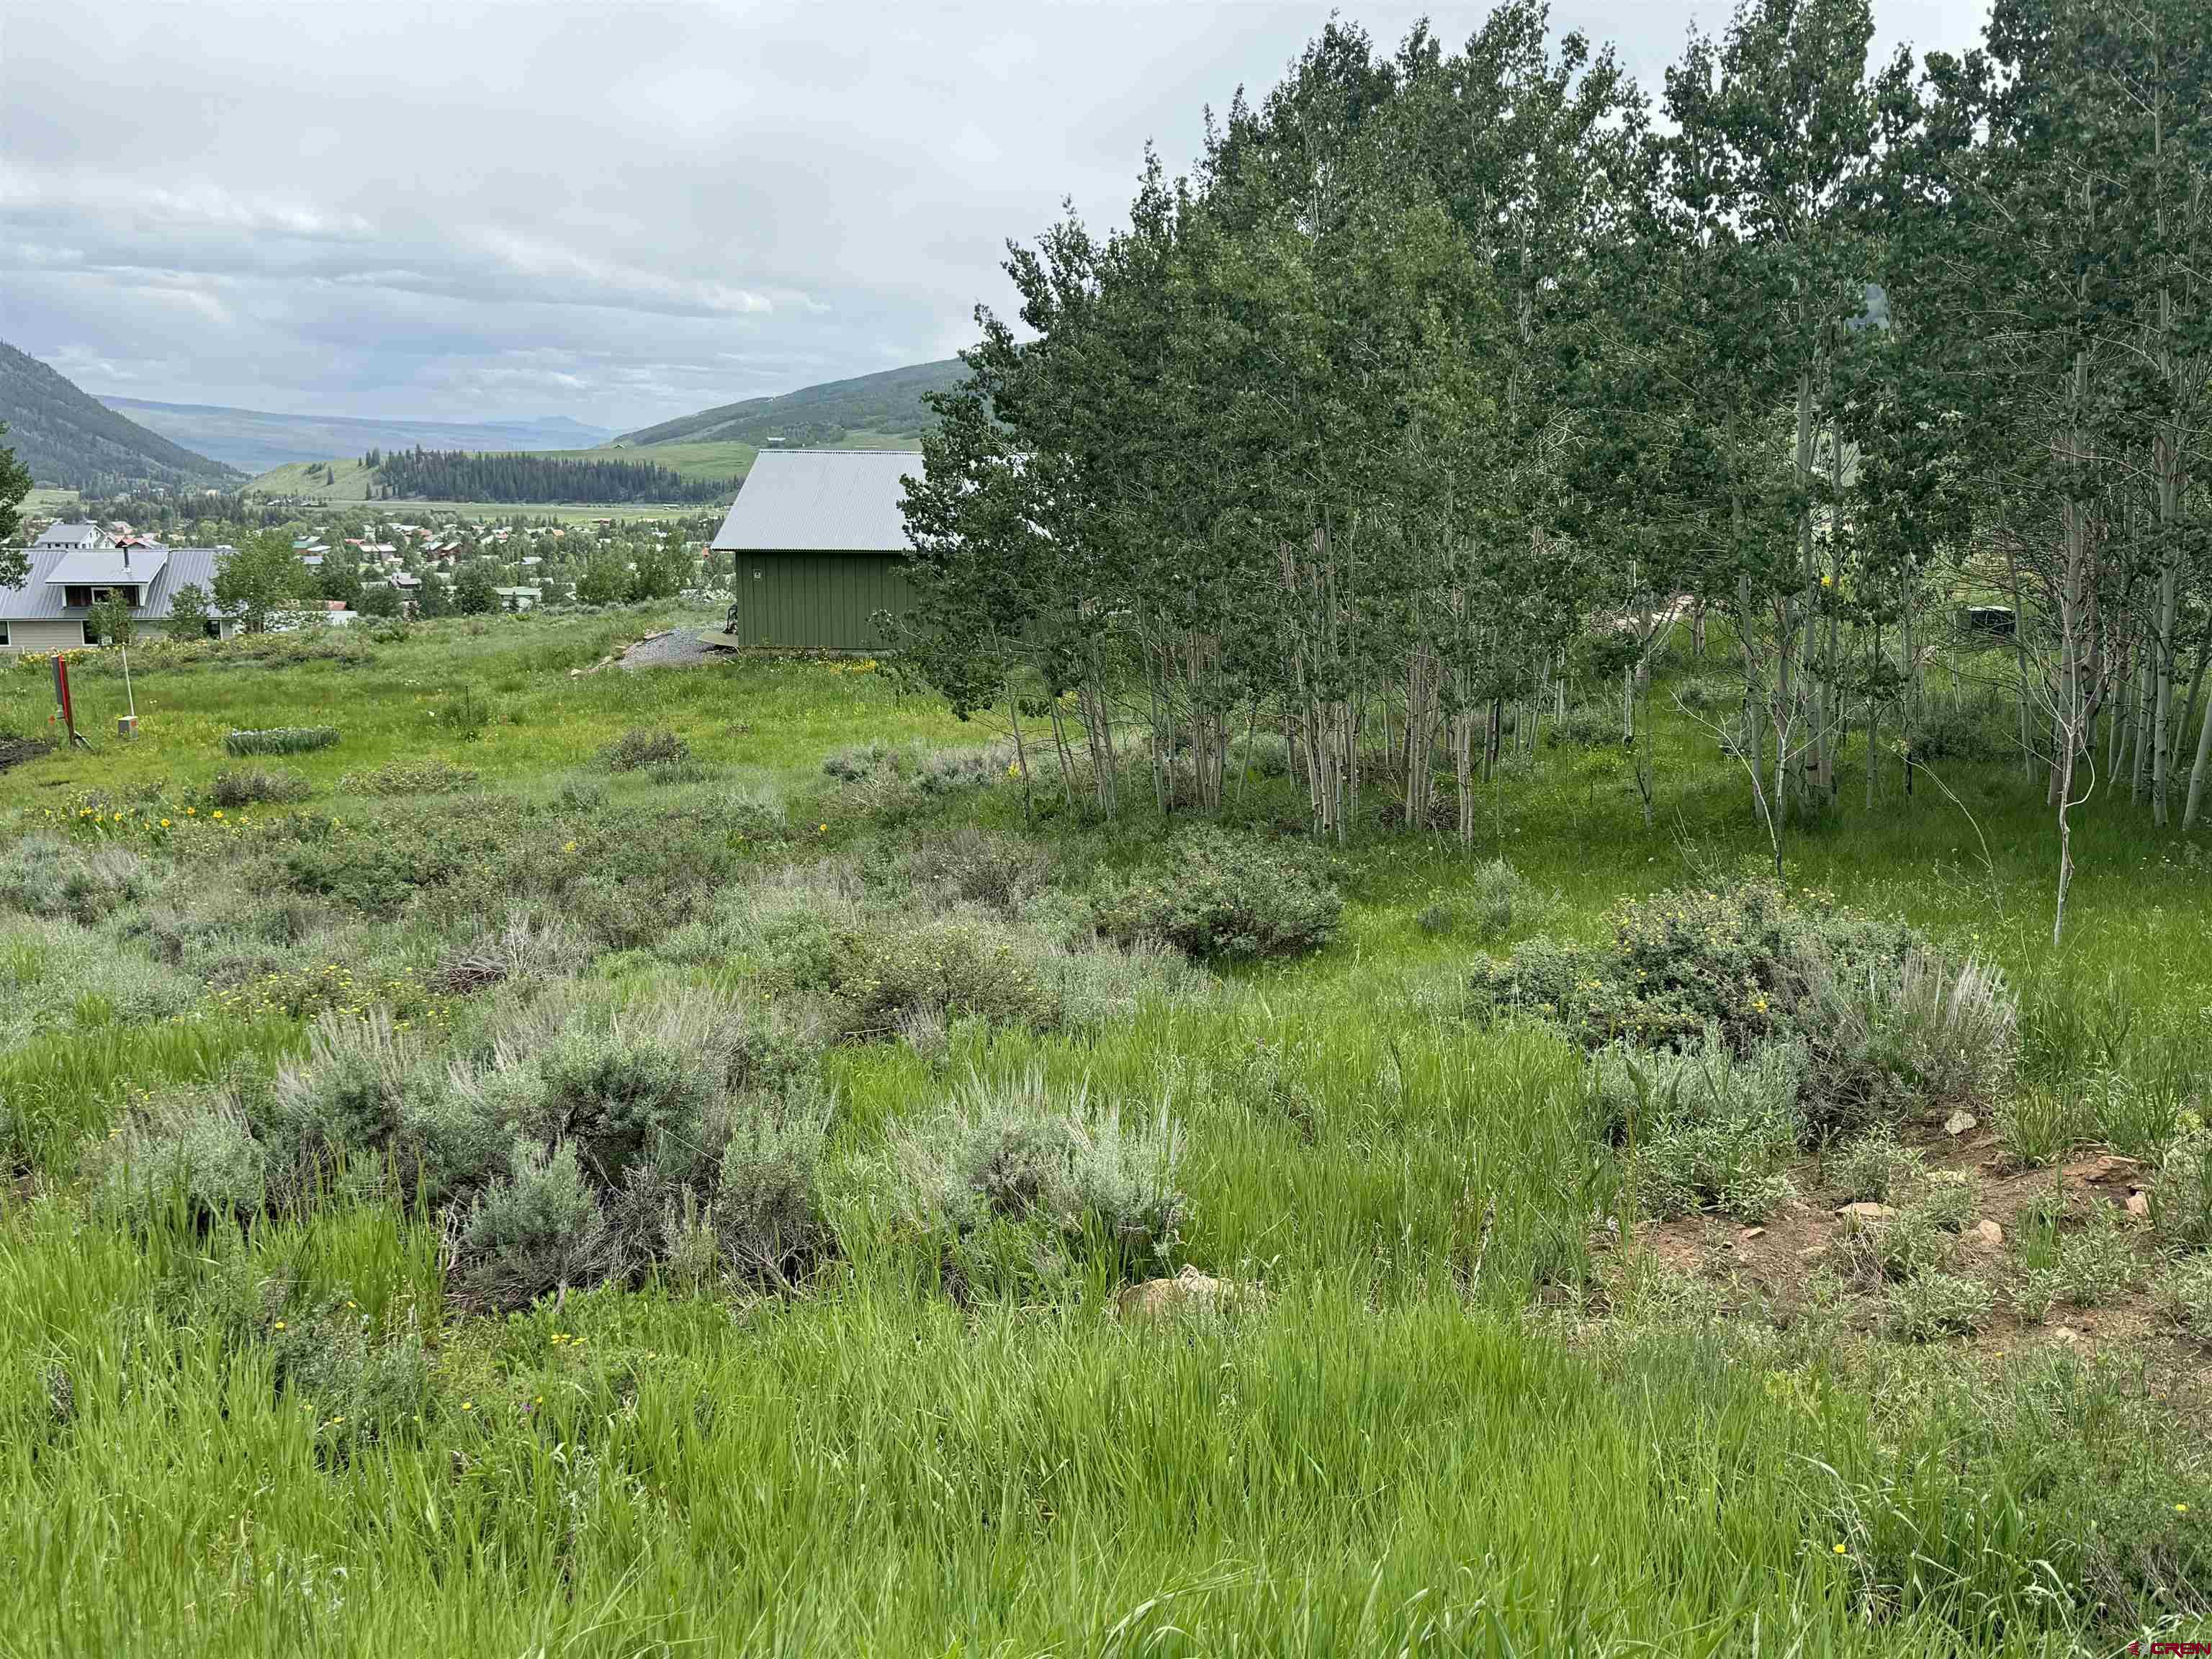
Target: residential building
column 818, row 545
column 52, row 610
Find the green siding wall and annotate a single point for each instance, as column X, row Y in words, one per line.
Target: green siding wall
column 820, row 601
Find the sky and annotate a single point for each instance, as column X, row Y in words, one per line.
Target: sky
column 617, row 212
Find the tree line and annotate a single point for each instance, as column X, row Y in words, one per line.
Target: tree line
column 1448, row 374
column 418, row 474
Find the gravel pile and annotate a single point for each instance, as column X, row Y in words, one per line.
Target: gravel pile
column 679, row 647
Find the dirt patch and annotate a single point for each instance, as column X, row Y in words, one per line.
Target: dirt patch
column 1771, row 1271
column 14, row 751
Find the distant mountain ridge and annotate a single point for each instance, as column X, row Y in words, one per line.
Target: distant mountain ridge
column 886, row 406
column 257, row 440
column 71, row 440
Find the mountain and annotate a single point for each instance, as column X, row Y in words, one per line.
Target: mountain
column 257, row 440
column 884, row 411
column 74, row 441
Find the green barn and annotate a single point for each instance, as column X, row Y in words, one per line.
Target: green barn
column 818, row 546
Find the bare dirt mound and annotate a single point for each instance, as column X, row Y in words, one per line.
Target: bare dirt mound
column 14, row 751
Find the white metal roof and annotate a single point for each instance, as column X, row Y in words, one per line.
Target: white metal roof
column 109, row 567
column 81, row 534
column 43, row 598
column 820, row 501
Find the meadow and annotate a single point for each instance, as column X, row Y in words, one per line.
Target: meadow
column 622, row 1162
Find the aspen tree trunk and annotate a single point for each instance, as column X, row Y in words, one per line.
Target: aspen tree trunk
column 2020, row 657
column 2197, row 772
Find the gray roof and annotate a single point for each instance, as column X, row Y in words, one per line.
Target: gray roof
column 820, row 501
column 39, row 599
column 108, row 567
column 71, row 535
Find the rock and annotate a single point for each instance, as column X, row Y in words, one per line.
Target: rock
column 1750, row 1233
column 1864, row 1213
column 2065, row 1334
column 1812, row 1253
column 1985, row 1237
column 2139, row 1205
column 1189, row 1292
column 1959, row 1122
column 2098, row 1172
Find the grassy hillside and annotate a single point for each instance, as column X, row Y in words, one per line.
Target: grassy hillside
column 887, row 406
column 842, row 1141
column 72, row 440
column 348, row 480
column 258, row 439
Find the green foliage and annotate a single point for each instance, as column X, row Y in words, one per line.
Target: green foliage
column 1703, row 1129
column 2183, row 1292
column 1218, row 896
column 1932, row 1304
column 643, row 748
column 534, row 1230
column 1019, row 1186
column 430, row 777
column 253, row 786
column 1872, row 1169
column 281, row 740
column 260, row 580
column 194, row 1161
column 2181, row 1192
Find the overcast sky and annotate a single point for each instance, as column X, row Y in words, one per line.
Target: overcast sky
column 620, row 212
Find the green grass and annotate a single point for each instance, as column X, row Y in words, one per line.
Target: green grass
column 1451, row 1426
column 352, row 482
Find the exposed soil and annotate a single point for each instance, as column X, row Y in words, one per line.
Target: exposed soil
column 1767, row 1270
column 14, row 751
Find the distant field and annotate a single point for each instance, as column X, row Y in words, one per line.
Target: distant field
column 716, row 458
column 44, row 501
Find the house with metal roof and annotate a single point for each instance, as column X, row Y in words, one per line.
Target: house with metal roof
column 51, row 610
column 81, row 534
column 818, row 545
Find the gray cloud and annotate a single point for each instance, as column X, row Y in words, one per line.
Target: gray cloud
column 616, row 212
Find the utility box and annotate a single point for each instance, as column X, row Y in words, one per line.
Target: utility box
column 126, row 727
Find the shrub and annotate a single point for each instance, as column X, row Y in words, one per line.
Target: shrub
column 1932, row 1304
column 1221, row 896
column 368, row 1089
column 1920, row 1036
column 1260, row 755
column 1584, row 726
column 528, row 944
column 281, row 740
column 248, row 786
column 431, row 777
column 1900, row 1247
column 2181, row 1193
column 534, row 1230
column 1709, row 1131
column 362, row 1390
column 878, row 971
column 979, row 866
column 2096, row 1263
column 1872, row 1170
column 644, row 748
column 619, row 1097
column 1017, row 1187
column 2183, row 1292
column 766, row 1215
column 196, row 1159
column 42, row 876
column 1495, row 893
column 1436, row 918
